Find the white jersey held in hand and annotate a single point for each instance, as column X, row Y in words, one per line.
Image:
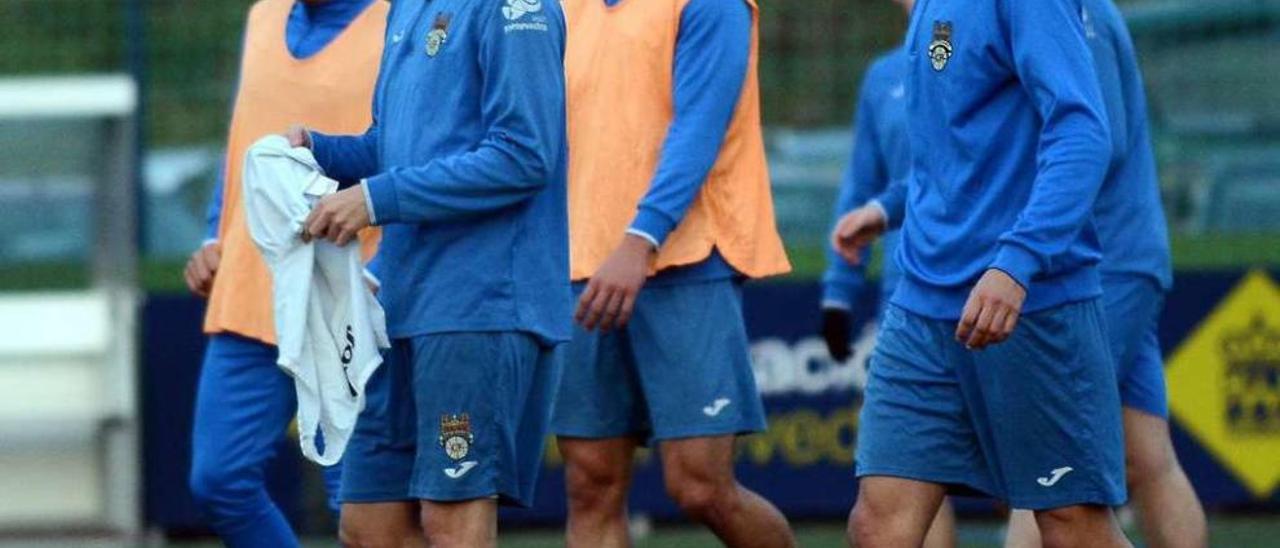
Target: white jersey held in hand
column 329, row 325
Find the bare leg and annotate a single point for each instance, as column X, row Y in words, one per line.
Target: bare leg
column 1082, row 526
column 1168, row 510
column 1023, row 531
column 893, row 512
column 942, row 534
column 699, row 476
column 468, row 524
column 381, row 525
column 597, row 478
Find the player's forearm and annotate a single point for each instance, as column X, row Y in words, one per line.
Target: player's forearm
column 711, row 61
column 1058, row 73
column 347, row 157
column 497, row 175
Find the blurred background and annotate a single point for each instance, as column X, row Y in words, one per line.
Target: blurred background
column 113, row 115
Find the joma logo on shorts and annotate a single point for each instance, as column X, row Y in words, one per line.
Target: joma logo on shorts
column 1054, row 476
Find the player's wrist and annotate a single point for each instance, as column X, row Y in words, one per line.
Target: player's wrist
column 878, row 212
column 639, row 244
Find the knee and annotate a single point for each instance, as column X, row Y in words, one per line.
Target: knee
column 596, row 485
column 352, row 535
column 1062, row 526
column 452, row 532
column 864, row 524
column 213, row 487
column 700, row 498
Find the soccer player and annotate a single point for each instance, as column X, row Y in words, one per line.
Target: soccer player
column 1136, row 272
column 880, row 156
column 878, row 168
column 668, row 191
column 303, row 60
column 464, row 167
column 992, row 372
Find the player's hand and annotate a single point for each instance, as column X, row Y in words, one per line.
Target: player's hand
column 338, row 217
column 202, row 267
column 857, row 230
column 611, row 293
column 298, row 136
column 836, row 324
column 992, row 310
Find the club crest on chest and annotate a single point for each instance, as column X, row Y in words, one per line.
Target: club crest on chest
column 439, row 34
column 940, row 49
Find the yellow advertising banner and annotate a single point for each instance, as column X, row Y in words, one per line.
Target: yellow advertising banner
column 1224, row 383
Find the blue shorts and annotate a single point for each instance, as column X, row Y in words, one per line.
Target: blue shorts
column 454, row 417
column 681, row 368
column 1034, row 421
column 1133, row 306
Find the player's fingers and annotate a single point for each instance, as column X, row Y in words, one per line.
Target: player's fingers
column 207, row 265
column 1011, row 322
column 584, row 302
column 331, row 231
column 835, row 236
column 624, row 312
column 595, row 312
column 968, row 318
column 998, row 333
column 609, row 312
column 345, row 235
column 198, row 285
column 314, row 226
column 982, row 327
column 199, row 272
column 850, row 226
column 191, row 283
column 211, row 261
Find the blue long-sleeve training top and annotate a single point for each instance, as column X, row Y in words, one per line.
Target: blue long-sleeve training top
column 311, row 27
column 465, row 168
column 712, row 53
column 880, row 156
column 1009, row 145
column 1129, row 215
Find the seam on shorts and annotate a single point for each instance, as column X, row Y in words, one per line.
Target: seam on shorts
column 1097, row 473
column 916, row 475
column 1063, row 499
column 597, row 435
column 371, row 497
column 686, row 433
column 1162, row 414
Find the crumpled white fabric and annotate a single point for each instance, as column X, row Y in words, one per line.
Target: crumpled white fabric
column 329, row 325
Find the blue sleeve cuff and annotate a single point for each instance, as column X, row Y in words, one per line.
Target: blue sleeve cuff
column 654, row 224
column 1017, row 262
column 368, row 203
column 838, row 296
column 894, row 203
column 321, row 148
column 381, row 193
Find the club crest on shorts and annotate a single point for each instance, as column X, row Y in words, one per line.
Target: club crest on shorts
column 439, row 34
column 940, row 48
column 455, row 435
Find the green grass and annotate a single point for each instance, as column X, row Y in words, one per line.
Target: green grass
column 1234, row 532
